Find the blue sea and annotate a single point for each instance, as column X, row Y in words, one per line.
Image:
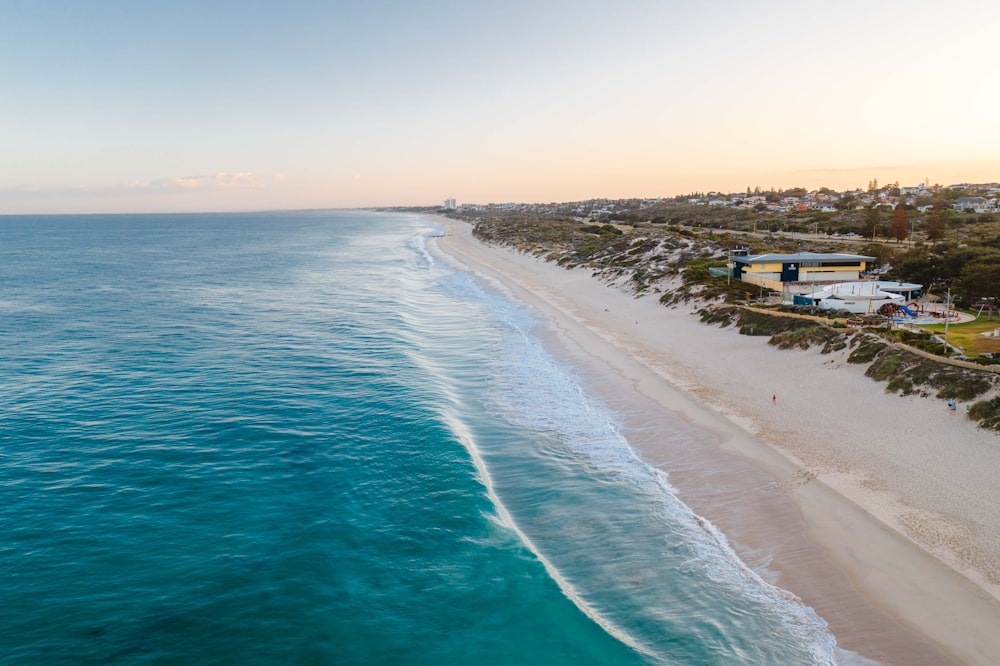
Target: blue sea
column 297, row 438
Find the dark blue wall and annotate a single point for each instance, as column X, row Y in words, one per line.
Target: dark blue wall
column 790, row 272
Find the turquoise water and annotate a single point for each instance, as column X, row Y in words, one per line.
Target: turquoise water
column 297, row 438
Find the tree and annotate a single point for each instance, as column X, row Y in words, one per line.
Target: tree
column 980, row 281
column 935, row 224
column 847, row 202
column 884, row 254
column 899, row 227
column 873, row 221
column 919, row 265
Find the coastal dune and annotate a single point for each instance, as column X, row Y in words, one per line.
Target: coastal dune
column 880, row 512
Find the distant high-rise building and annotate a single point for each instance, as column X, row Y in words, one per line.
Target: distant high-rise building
column 449, row 204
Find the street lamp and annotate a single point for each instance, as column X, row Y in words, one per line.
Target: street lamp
column 947, row 316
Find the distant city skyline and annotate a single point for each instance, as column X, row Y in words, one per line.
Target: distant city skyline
column 193, row 106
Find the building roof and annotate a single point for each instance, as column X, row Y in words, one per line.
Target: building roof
column 799, row 257
column 893, row 285
column 867, row 289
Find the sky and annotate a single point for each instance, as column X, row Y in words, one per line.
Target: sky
column 156, row 106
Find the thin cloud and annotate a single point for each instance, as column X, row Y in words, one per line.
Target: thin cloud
column 213, row 182
column 851, row 169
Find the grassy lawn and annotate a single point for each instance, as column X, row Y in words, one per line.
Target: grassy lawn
column 968, row 335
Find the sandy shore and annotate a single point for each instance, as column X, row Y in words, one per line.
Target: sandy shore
column 880, row 512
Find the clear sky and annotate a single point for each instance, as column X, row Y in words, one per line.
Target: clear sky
column 156, row 105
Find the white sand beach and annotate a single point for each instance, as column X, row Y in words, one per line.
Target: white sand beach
column 879, row 511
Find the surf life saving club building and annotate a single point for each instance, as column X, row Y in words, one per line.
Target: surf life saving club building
column 779, row 272
column 825, row 280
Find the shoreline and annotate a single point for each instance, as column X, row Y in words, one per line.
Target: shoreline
column 821, row 519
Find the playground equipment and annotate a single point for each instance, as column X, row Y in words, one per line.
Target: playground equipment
column 895, row 310
column 913, row 310
column 990, row 308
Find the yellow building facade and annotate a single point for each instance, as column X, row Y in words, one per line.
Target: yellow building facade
column 775, row 271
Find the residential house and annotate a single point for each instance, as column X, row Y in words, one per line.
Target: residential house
column 975, row 204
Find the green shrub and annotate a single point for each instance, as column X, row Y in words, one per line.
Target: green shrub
column 835, row 344
column 900, row 383
column 987, row 413
column 884, row 367
column 963, row 386
column 722, row 317
column 805, row 337
column 866, row 351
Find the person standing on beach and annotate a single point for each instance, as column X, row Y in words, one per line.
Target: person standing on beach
column 774, row 399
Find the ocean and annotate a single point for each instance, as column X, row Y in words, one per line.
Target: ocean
column 298, row 438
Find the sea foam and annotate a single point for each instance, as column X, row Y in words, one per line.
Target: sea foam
column 606, row 483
